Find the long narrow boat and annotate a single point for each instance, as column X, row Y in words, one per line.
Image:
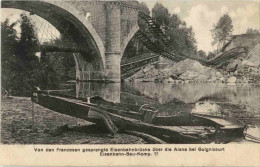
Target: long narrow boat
column 219, row 121
column 190, row 128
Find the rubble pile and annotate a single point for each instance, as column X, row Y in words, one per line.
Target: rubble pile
column 244, row 68
column 185, row 71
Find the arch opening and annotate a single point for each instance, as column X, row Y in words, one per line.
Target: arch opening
column 70, row 24
column 127, row 42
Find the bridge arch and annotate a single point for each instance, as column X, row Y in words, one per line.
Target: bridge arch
column 128, row 39
column 61, row 14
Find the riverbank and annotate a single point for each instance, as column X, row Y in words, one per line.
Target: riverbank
column 191, row 71
column 20, row 125
column 43, row 126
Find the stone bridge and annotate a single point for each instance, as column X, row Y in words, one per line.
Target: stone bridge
column 102, row 28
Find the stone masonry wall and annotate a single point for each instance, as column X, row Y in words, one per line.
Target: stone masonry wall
column 95, row 12
column 129, row 17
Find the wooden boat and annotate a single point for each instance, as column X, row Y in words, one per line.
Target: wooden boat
column 189, row 128
column 224, row 124
column 148, row 114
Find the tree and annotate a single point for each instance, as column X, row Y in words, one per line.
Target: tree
column 144, row 9
column 48, row 77
column 69, row 65
column 22, row 69
column 201, row 55
column 210, row 55
column 161, row 14
column 222, row 32
column 252, row 31
column 8, row 60
column 181, row 37
column 18, row 54
column 55, row 68
column 63, row 64
column 28, row 44
column 27, row 63
column 46, row 73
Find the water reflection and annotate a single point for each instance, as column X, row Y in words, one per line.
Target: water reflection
column 191, row 93
column 108, row 91
column 171, row 97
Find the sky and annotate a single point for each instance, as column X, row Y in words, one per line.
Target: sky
column 201, row 15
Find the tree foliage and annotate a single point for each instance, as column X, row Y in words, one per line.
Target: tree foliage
column 210, row 55
column 181, row 37
column 252, row 31
column 18, row 54
column 161, row 14
column 222, row 31
column 63, row 64
column 8, row 60
column 201, row 55
column 55, row 68
column 21, row 68
column 143, row 8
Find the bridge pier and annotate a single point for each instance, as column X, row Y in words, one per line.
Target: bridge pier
column 108, row 91
column 112, row 69
column 113, row 43
column 86, row 71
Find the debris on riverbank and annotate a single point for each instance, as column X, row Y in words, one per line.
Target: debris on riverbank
column 20, row 125
column 185, row 71
column 243, row 68
column 191, row 71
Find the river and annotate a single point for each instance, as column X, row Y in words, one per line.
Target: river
column 162, row 93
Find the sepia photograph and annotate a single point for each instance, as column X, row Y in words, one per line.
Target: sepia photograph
column 139, row 72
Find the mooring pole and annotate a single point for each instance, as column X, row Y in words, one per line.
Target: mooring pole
column 33, row 114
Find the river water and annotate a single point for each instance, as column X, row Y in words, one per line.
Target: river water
column 242, row 101
column 162, row 93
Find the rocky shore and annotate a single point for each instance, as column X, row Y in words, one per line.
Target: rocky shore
column 182, row 72
column 191, row 71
